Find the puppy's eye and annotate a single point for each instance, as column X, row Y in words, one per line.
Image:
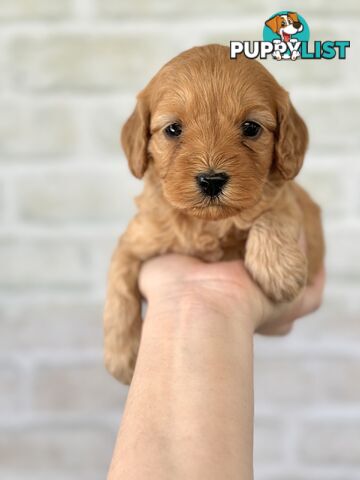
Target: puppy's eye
column 173, row 130
column 283, row 23
column 251, row 129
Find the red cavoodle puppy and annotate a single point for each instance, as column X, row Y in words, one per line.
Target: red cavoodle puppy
column 218, row 142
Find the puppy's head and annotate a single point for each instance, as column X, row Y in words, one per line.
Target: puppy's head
column 216, row 131
column 285, row 25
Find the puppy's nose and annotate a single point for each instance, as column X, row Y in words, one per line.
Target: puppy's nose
column 211, row 184
column 297, row 24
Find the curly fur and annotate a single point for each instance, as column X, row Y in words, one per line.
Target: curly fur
column 258, row 217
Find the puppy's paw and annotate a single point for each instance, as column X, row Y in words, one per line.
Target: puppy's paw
column 120, row 363
column 281, row 271
column 295, row 55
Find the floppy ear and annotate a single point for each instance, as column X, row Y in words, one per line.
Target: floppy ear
column 272, row 23
column 293, row 16
column 291, row 141
column 135, row 136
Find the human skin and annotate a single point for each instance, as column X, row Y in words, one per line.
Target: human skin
column 189, row 412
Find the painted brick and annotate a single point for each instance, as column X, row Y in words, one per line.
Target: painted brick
column 307, row 474
column 81, row 388
column 51, row 325
column 269, row 441
column 102, row 250
column 11, row 381
column 77, row 196
column 87, row 63
column 34, row 9
column 327, row 188
column 212, row 9
column 72, row 448
column 329, row 126
column 342, row 253
column 107, row 122
column 161, row 8
column 40, row 130
column 2, row 201
column 301, row 381
column 332, row 442
column 17, row 474
column 337, row 321
column 43, row 264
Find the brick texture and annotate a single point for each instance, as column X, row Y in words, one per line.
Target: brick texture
column 49, row 448
column 75, row 196
column 11, row 380
column 161, row 8
column 334, row 442
column 2, row 201
column 43, row 264
column 81, row 62
column 69, row 75
column 34, row 9
column 35, row 130
column 76, row 388
column 51, row 324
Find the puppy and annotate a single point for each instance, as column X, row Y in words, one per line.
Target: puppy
column 285, row 26
column 218, row 143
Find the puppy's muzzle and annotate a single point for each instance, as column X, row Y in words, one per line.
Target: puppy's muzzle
column 212, row 184
column 297, row 25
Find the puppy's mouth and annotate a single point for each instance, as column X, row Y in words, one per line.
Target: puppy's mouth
column 286, row 37
column 213, row 209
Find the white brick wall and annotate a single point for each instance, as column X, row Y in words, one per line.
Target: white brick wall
column 69, row 74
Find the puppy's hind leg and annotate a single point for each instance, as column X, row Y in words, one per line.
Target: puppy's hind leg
column 122, row 314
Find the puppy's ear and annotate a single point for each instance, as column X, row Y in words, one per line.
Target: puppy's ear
column 291, row 141
column 135, row 137
column 272, row 23
column 293, row 16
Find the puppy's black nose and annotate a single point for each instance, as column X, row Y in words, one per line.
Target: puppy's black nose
column 297, row 24
column 211, row 184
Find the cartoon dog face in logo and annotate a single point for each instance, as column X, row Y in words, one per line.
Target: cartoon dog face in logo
column 285, row 25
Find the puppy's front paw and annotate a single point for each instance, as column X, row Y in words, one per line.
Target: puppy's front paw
column 121, row 362
column 280, row 270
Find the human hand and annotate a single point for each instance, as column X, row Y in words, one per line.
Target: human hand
column 170, row 281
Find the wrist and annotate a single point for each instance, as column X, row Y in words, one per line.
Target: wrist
column 200, row 307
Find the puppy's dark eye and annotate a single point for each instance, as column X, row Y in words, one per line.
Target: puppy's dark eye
column 251, row 129
column 173, row 130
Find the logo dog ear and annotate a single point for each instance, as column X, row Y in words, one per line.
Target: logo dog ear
column 293, row 16
column 272, row 23
column 135, row 136
column 291, row 141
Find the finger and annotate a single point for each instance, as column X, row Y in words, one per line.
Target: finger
column 312, row 297
column 275, row 329
column 308, row 302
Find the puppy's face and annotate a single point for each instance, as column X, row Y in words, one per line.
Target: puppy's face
column 210, row 127
column 285, row 25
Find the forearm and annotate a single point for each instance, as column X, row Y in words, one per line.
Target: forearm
column 189, row 412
